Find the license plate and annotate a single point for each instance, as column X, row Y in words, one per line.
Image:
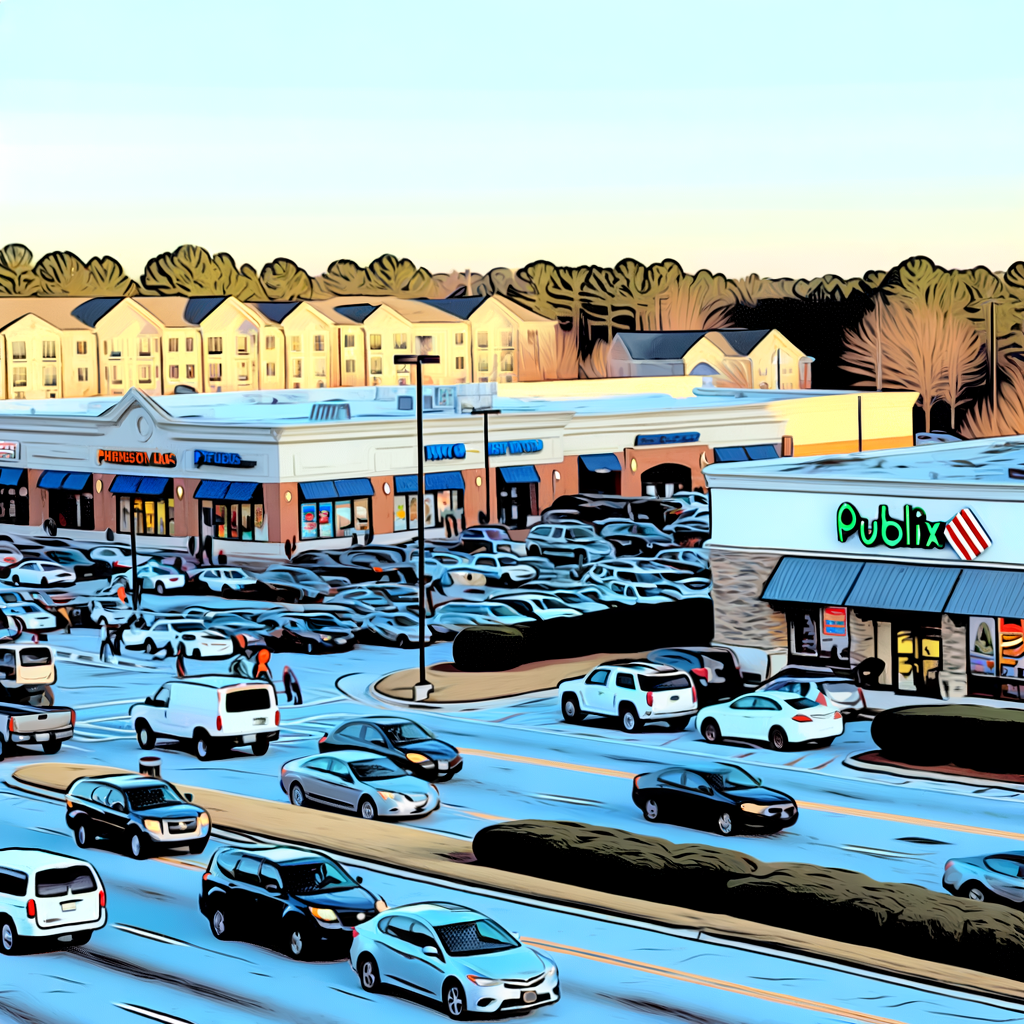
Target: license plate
column 69, row 905
column 259, row 721
column 442, row 766
column 251, row 738
column 529, row 996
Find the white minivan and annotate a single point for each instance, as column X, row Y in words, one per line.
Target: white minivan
column 214, row 713
column 46, row 896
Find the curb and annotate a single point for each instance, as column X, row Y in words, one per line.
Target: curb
column 73, row 654
column 852, row 761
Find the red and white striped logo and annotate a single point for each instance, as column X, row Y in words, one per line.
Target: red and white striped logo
column 966, row 535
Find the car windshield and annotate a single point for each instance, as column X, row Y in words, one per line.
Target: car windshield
column 66, row 557
column 675, row 681
column 159, row 570
column 469, row 937
column 726, row 777
column 64, row 881
column 35, row 656
column 406, row 732
column 323, row 622
column 185, row 624
column 157, row 795
column 372, row 771
column 314, row 876
column 801, row 702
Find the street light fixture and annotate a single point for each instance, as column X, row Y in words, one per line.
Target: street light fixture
column 418, row 361
column 487, row 414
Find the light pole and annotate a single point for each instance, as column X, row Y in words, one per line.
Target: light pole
column 991, row 303
column 487, row 414
column 418, row 361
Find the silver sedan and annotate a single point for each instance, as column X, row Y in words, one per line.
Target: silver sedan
column 359, row 782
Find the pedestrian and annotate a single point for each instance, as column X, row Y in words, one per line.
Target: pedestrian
column 262, row 670
column 180, row 662
column 121, row 595
column 291, row 686
column 66, row 616
column 240, row 665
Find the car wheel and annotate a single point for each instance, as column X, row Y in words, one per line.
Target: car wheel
column 724, row 824
column 974, row 891
column 297, row 795
column 219, row 923
column 454, row 1000
column 149, row 647
column 204, row 746
column 777, row 739
column 261, row 746
column 10, row 941
column 369, row 976
column 52, row 746
column 197, row 653
column 571, row 708
column 367, row 809
column 83, row 835
column 137, row 845
column 225, row 591
column 710, row 731
column 297, row 941
column 160, row 588
column 198, row 846
column 16, row 580
column 628, row 719
column 505, row 580
column 402, row 641
column 42, row 581
column 651, row 809
column 533, row 551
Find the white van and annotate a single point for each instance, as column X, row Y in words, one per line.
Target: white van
column 27, row 673
column 214, row 713
column 44, row 895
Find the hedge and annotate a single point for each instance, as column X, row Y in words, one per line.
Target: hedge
column 829, row 902
column 614, row 630
column 967, row 735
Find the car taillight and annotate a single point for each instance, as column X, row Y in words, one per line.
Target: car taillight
column 31, row 908
column 103, row 898
column 802, row 718
column 949, row 864
column 10, row 726
column 69, row 803
column 206, row 876
column 323, row 739
column 74, row 716
column 702, row 672
column 220, row 724
column 636, row 781
column 650, row 699
column 277, row 717
column 838, row 714
column 354, row 933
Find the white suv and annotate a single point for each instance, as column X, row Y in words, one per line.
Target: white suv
column 634, row 692
column 45, row 895
column 214, row 713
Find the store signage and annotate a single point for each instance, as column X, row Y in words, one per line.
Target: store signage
column 205, row 458
column 10, row 450
column 514, row 447
column 137, row 458
column 436, row 452
column 686, row 438
column 913, row 530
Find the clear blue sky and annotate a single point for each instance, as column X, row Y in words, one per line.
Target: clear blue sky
column 793, row 138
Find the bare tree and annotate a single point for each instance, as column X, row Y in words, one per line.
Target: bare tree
column 982, row 421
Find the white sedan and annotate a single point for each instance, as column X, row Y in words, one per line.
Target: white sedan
column 154, row 576
column 31, row 616
column 37, row 572
column 170, row 634
column 226, row 582
column 780, row 720
column 497, row 570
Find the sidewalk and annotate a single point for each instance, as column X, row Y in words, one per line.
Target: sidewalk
column 882, row 700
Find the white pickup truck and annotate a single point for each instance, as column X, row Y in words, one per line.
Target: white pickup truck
column 23, row 725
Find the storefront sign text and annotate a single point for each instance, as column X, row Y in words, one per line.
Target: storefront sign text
column 10, row 450
column 686, row 438
column 436, row 452
column 137, row 458
column 204, row 458
column 911, row 530
column 514, row 447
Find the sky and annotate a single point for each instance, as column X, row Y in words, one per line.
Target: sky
column 788, row 139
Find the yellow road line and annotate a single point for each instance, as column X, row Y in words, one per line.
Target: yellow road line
column 549, row 764
column 723, row 986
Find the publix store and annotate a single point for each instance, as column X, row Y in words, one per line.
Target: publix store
column 913, row 556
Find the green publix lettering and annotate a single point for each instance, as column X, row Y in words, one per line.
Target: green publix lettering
column 911, row 530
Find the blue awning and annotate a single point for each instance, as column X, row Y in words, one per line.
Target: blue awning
column 148, row 485
column 211, row 490
column 747, row 453
column 761, row 451
column 431, row 482
column 11, row 477
column 988, row 592
column 76, row 482
column 893, row 586
column 318, row 490
column 124, row 484
column 601, row 463
column 812, row 580
column 519, row 475
column 242, row 490
column 360, row 487
column 217, row 490
column 53, row 480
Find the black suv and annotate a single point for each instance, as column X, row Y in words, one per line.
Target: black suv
column 148, row 815
column 297, row 899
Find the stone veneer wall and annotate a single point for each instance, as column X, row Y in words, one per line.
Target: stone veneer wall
column 953, row 674
column 741, row 617
column 862, row 637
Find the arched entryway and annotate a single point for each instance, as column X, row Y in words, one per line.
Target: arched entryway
column 664, row 480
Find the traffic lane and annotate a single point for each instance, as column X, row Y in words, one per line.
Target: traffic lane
column 157, row 952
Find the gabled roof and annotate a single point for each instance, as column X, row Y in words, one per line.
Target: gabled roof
column 93, row 310
column 743, row 341
column 357, row 314
column 659, row 344
column 57, row 311
column 459, row 307
column 520, row 311
column 168, row 309
column 198, row 309
column 275, row 311
column 330, row 309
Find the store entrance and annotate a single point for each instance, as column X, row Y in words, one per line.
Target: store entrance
column 663, row 481
column 917, row 657
column 516, row 501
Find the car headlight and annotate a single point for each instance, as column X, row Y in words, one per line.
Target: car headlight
column 204, row 820
column 753, row 808
column 417, row 758
column 323, row 913
column 551, row 972
column 386, row 794
column 153, row 825
column 380, row 906
column 482, row 982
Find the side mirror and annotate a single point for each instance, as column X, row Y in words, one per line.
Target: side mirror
column 432, row 951
column 515, row 935
column 272, row 887
column 188, row 797
column 118, row 807
column 359, row 879
column 148, row 700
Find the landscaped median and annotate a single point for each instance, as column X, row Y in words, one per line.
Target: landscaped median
column 655, row 881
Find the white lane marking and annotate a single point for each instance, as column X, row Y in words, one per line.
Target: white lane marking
column 142, row 1011
column 142, row 933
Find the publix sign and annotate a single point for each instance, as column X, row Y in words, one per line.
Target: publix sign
column 912, row 529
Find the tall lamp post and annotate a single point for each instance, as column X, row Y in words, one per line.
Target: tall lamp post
column 487, row 414
column 418, row 361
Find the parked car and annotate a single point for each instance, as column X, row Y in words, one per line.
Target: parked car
column 228, row 582
column 47, row 896
column 715, row 668
column 996, row 878
column 31, row 617
column 283, row 631
column 696, row 560
column 408, row 744
column 146, row 814
column 454, row 955
column 577, row 601
column 171, row 634
column 822, row 686
column 634, row 692
column 155, row 576
column 27, row 673
column 109, row 611
column 11, row 553
column 492, row 538
column 363, row 598
column 709, row 794
column 352, row 780
column 213, row 713
column 26, row 725
column 570, row 542
column 83, row 567
column 780, row 721
column 453, row 616
column 540, row 607
column 299, row 900
column 294, row 583
column 376, row 562
column 233, row 625
column 398, row 627
column 629, row 538
column 496, row 570
column 116, row 557
column 37, row 572
column 324, row 564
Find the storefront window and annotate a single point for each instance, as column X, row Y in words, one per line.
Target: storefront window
column 820, row 634
column 917, row 653
column 154, row 517
column 72, row 509
column 334, row 519
column 997, row 651
column 242, row 520
column 436, row 504
column 14, row 503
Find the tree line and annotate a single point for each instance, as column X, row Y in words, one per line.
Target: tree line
column 954, row 336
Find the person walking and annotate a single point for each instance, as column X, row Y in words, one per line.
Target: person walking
column 262, row 670
column 180, row 662
column 291, row 686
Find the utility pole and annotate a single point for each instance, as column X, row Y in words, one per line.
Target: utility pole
column 487, row 414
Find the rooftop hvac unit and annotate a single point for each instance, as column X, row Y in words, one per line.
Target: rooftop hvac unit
column 323, row 412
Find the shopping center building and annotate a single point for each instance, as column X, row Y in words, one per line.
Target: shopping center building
column 912, row 556
column 334, row 466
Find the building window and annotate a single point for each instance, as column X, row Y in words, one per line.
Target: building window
column 401, row 341
column 506, row 339
column 270, row 342
column 296, row 367
column 115, row 348
column 215, row 346
column 507, row 362
column 145, row 373
column 326, row 519
column 235, row 520
column 214, row 371
column 49, row 376
column 375, row 342
column 483, row 364
column 189, row 344
column 318, row 343
column 533, row 337
column 172, row 344
column 376, row 365
column 82, row 347
column 350, row 366
column 19, row 377
column 72, row 509
column 83, row 373
column 460, row 338
column 320, row 368
column 172, row 372
column 154, row 517
column 460, row 362
column 481, row 339
column 242, row 345
column 17, row 350
column 115, row 374
column 437, row 505
column 144, row 349
column 271, row 369
column 350, row 341
column 296, row 343
column 243, row 373
column 190, row 371
column 49, row 349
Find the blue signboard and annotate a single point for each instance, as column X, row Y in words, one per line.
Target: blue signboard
column 685, row 438
column 204, row 458
column 436, row 452
column 514, row 447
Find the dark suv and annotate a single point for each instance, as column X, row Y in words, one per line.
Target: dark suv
column 148, row 815
column 299, row 900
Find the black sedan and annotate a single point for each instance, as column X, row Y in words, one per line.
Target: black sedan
column 81, row 565
column 297, row 900
column 284, row 632
column 716, row 669
column 408, row 744
column 372, row 564
column 715, row 796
